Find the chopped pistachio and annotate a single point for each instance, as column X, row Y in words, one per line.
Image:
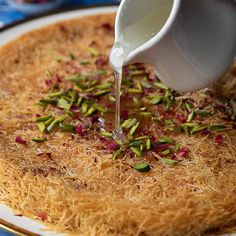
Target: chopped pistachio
column 85, row 62
column 168, row 122
column 136, row 151
column 204, row 113
column 112, row 99
column 145, row 84
column 139, row 85
column 64, row 104
column 137, row 72
column 165, row 139
column 198, row 128
column 46, row 101
column 137, row 101
column 56, row 94
column 90, row 111
column 80, row 99
column 129, row 123
column 188, row 106
column 106, row 134
column 56, row 122
column 74, row 78
column 135, row 143
column 39, row 140
column 104, row 86
column 176, row 147
column 161, row 85
column 94, row 52
column 146, row 114
column 217, row 127
column 191, row 116
column 156, row 100
column 166, row 152
column 148, row 144
column 142, row 137
column 141, row 147
column 43, row 118
column 49, row 121
column 142, row 167
column 118, row 153
column 84, row 107
column 133, row 129
column 169, row 161
column 41, row 126
column 89, row 90
column 80, row 86
column 101, row 92
column 101, row 72
column 100, row 108
column 134, row 90
column 67, row 128
column 72, row 96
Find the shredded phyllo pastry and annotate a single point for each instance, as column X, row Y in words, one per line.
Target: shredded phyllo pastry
column 173, row 174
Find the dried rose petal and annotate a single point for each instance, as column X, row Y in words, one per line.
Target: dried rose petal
column 126, row 71
column 174, row 157
column 58, row 78
column 63, row 28
column 180, row 118
column 20, row 140
column 48, row 82
column 79, row 130
column 42, row 215
column 101, row 62
column 219, row 139
column 107, row 26
column 124, row 114
column 113, row 146
column 205, row 132
column 183, row 152
column 160, row 147
column 37, row 115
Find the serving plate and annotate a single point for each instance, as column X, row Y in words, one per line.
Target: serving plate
column 9, row 221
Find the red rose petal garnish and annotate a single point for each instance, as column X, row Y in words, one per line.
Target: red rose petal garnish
column 183, row 152
column 79, row 130
column 124, row 114
column 174, row 157
column 160, row 147
column 20, row 140
column 58, row 78
column 48, row 82
column 42, row 215
column 126, row 71
column 205, row 132
column 180, row 118
column 219, row 139
column 101, row 62
column 107, row 26
column 113, row 146
column 37, row 115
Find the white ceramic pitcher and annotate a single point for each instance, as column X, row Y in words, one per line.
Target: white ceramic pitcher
column 195, row 46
